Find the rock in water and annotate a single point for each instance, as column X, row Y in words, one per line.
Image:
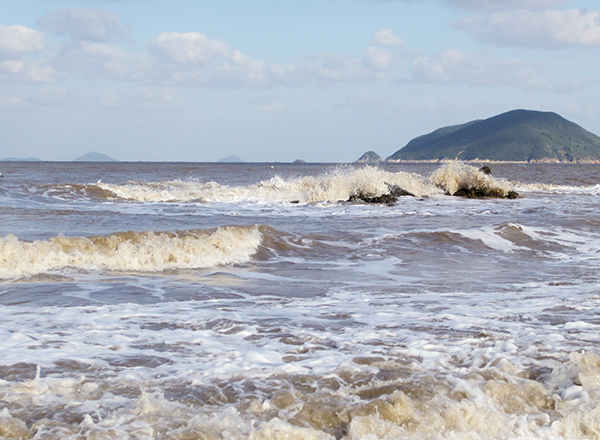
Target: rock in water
column 388, row 198
column 484, row 192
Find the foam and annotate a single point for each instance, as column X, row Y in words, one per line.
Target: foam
column 335, row 185
column 455, row 175
column 549, row 188
column 129, row 251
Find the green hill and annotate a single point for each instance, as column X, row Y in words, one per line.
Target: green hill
column 518, row 135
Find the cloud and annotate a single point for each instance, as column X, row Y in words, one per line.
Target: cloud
column 16, row 41
column 85, row 24
column 378, row 59
column 455, row 67
column 544, row 29
column 386, row 37
column 100, row 59
column 27, row 71
column 186, row 48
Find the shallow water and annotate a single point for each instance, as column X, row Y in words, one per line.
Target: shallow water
column 252, row 301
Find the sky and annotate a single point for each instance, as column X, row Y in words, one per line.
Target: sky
column 280, row 80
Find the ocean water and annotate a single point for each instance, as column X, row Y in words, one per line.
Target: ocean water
column 252, row 301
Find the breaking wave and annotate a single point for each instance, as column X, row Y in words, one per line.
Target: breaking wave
column 455, row 176
column 337, row 185
column 130, row 251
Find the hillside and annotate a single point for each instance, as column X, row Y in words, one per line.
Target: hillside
column 518, row 135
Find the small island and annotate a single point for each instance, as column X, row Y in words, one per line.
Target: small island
column 95, row 157
column 369, row 157
column 231, row 159
column 17, row 159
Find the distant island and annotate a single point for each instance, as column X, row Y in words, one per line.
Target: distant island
column 514, row 136
column 95, row 157
column 17, row 159
column 231, row 159
column 369, row 157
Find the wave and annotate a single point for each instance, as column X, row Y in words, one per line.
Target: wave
column 550, row 188
column 455, row 176
column 339, row 184
column 129, row 251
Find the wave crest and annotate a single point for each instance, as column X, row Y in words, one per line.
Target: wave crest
column 130, row 251
column 336, row 185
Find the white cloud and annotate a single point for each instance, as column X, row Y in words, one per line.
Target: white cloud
column 85, row 24
column 27, row 71
column 99, row 59
column 455, row 67
column 546, row 29
column 186, row 48
column 16, row 41
column 378, row 59
column 386, row 37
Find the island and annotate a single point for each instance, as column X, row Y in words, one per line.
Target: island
column 17, row 159
column 514, row 136
column 231, row 159
column 369, row 157
column 95, row 157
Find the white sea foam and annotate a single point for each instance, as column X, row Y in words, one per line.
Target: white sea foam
column 129, row 251
column 336, row 185
column 549, row 188
column 383, row 376
column 457, row 175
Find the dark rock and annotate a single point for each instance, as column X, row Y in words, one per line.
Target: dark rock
column 486, row 170
column 396, row 191
column 480, row 193
column 384, row 199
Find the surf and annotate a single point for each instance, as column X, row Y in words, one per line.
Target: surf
column 147, row 251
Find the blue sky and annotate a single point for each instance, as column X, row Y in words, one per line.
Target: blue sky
column 279, row 80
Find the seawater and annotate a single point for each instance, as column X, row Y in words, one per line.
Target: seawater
column 253, row 301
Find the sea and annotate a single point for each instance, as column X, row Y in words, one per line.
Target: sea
column 203, row 301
